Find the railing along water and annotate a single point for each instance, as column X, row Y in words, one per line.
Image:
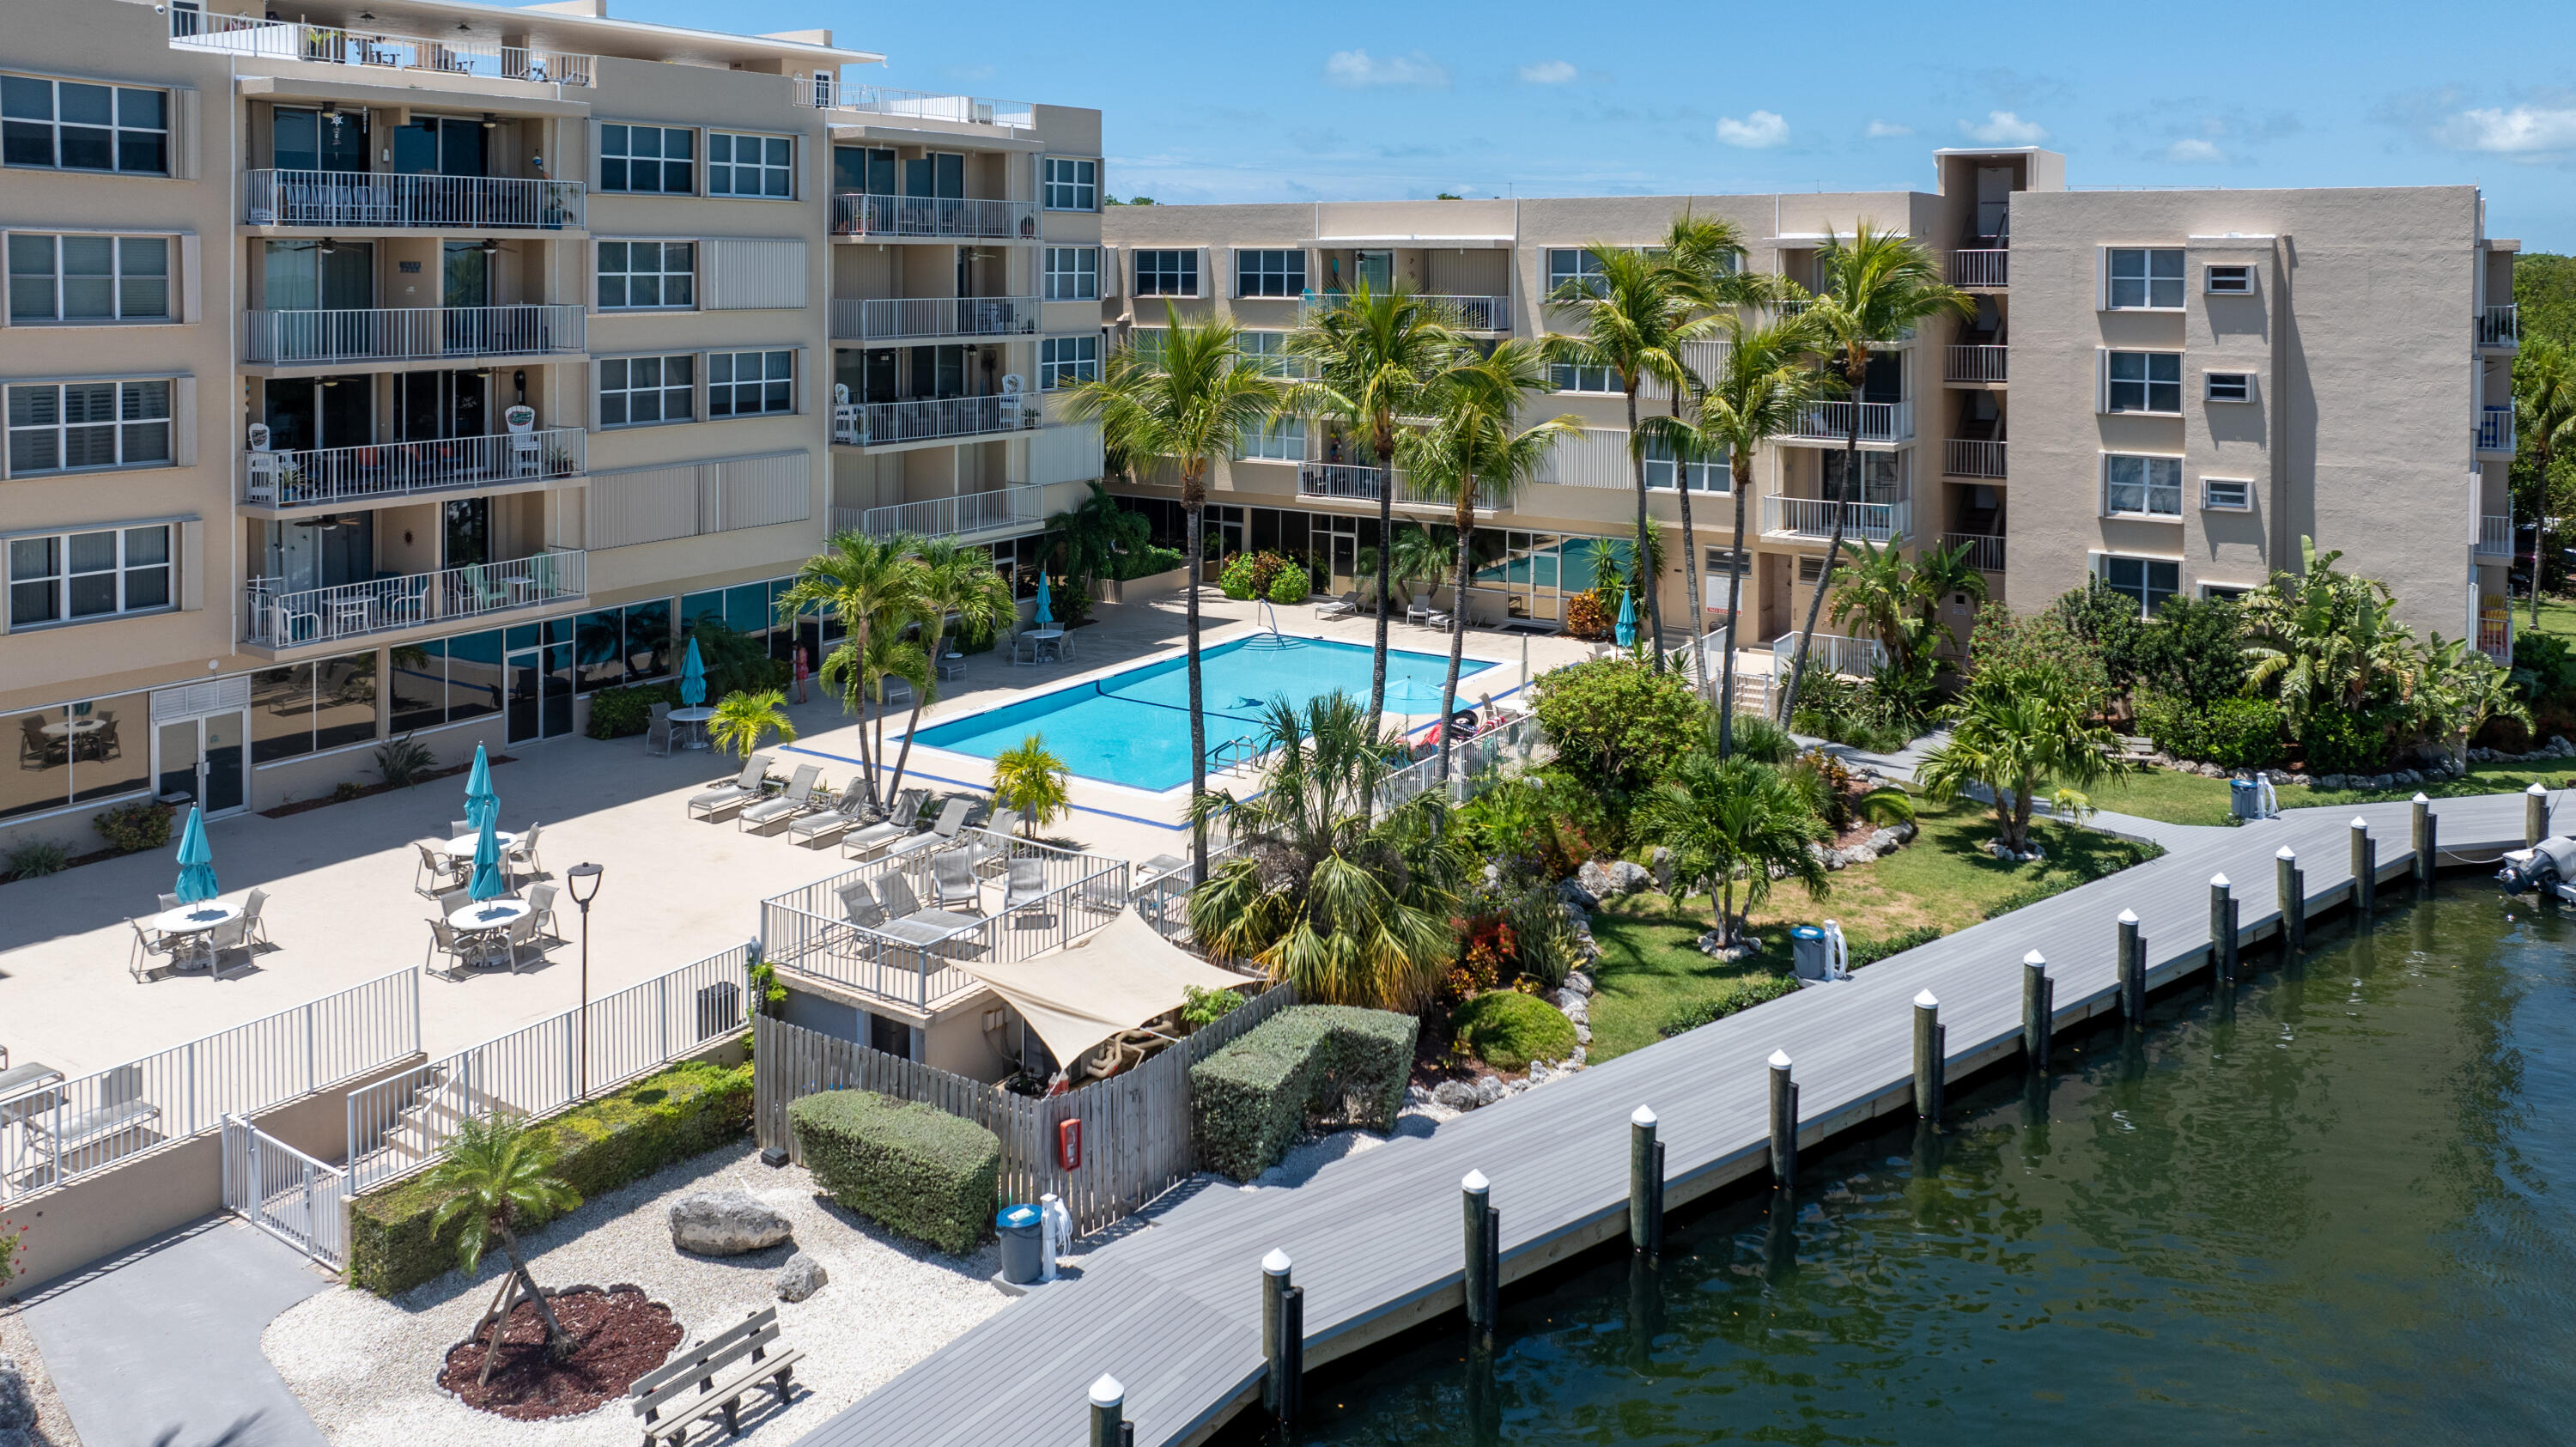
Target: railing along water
column 887, row 318
column 375, row 198
column 278, row 617
column 392, row 334
column 295, row 40
column 859, row 213
column 376, row 470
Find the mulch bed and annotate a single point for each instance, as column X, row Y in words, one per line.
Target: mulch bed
column 618, row 1336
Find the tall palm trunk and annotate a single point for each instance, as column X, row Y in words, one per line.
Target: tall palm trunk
column 559, row 1343
column 1193, row 506
column 920, row 697
column 1833, row 540
column 1651, row 587
column 1384, row 436
column 1739, row 469
column 1457, row 628
column 1690, row 552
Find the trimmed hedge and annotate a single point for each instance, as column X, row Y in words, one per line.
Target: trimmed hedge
column 1251, row 1100
column 910, row 1167
column 617, row 713
column 684, row 1111
column 1741, row 993
column 1507, row 1029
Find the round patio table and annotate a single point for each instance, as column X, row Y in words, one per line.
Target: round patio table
column 696, row 716
column 188, row 922
column 74, row 728
column 1044, row 636
column 464, row 848
column 489, row 914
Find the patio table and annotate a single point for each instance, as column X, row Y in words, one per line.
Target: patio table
column 1044, row 636
column 489, row 914
column 694, row 716
column 464, row 848
column 187, row 924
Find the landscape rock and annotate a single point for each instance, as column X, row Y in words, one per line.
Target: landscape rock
column 1816, row 850
column 1489, row 1088
column 1833, row 859
column 2331, row 781
column 1662, row 863
column 1882, row 843
column 17, row 1403
column 1456, row 1095
column 800, row 1278
column 1594, row 876
column 1582, row 1034
column 1572, row 892
column 1628, row 878
column 1579, row 982
column 1538, row 1073
column 1415, row 1097
column 1577, row 1008
column 1906, row 831
column 725, row 1223
column 1577, row 1057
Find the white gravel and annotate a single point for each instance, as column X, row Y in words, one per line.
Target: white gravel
column 366, row 1368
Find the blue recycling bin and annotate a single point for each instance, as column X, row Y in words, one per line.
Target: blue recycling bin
column 1807, row 952
column 1023, row 1244
column 2245, row 799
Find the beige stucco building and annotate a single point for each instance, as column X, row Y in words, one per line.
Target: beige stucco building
column 2165, row 389
column 422, row 368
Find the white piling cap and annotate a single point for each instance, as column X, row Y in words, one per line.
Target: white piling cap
column 1642, row 1115
column 1475, row 1181
column 1779, row 1059
column 2035, row 958
column 2287, row 853
column 2420, row 799
column 2128, row 916
column 2360, row 823
column 1276, row 1263
column 1106, row 1392
column 1926, row 1001
column 2219, row 881
column 2535, row 788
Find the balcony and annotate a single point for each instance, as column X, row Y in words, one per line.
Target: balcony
column 2495, row 431
column 1350, row 482
column 2495, row 635
column 1012, row 505
column 358, row 200
column 1880, row 423
column 2495, row 536
column 408, row 334
column 2500, row 326
column 1985, row 550
column 830, row 92
column 1969, row 457
column 1471, row 313
column 883, row 424
column 1810, row 517
column 905, row 318
column 241, row 35
column 1981, row 269
column 279, row 619
column 379, row 472
column 1974, row 363
column 931, row 218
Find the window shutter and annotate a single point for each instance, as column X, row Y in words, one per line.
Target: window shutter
column 2101, row 278
column 1207, row 276
column 191, row 279
column 183, row 422
column 188, row 556
column 2101, row 379
column 590, row 277
column 804, row 385
column 1110, row 275
column 736, row 274
column 184, row 114
column 588, row 411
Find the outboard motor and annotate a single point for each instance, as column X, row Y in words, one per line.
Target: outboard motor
column 2549, row 869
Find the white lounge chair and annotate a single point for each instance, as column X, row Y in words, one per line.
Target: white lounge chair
column 847, row 812
column 860, row 843
column 798, row 799
column 951, row 819
column 1341, row 607
column 734, row 794
column 952, row 872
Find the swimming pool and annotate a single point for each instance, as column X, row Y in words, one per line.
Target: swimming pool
column 1133, row 728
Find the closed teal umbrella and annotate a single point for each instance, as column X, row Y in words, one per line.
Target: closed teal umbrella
column 196, row 863
column 1627, row 620
column 693, row 678
column 487, row 882
column 1045, row 613
column 482, row 806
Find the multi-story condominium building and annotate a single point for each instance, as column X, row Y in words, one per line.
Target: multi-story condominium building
column 423, row 367
column 2162, row 389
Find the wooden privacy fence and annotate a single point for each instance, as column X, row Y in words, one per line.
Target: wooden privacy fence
column 1136, row 1140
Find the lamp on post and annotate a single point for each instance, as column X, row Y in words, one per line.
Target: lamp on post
column 583, row 880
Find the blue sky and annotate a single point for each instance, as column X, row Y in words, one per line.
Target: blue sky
column 1234, row 102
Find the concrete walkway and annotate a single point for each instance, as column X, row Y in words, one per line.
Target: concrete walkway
column 161, row 1346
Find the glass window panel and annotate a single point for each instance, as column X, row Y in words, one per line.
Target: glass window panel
column 419, row 686
column 599, row 647
column 474, row 675
column 648, row 640
column 115, row 756
column 709, row 604
column 345, row 701
column 747, row 608
column 43, row 778
column 281, row 712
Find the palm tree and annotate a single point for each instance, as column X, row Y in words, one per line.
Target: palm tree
column 2324, row 639
column 1941, row 571
column 2018, row 731
column 1876, row 591
column 743, row 719
column 1188, row 405
column 494, row 1175
column 1371, row 358
column 1705, row 256
column 865, row 580
column 1731, row 819
column 1032, row 780
column 950, row 581
column 1091, row 537
column 1880, row 285
column 1419, row 555
column 861, row 675
column 2544, row 393
column 1470, row 456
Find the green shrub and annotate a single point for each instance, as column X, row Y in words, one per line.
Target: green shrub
column 404, row 762
column 2338, row 741
column 1290, row 586
column 1235, row 579
column 1203, row 1007
column 617, row 713
column 1737, row 994
column 670, row 1116
column 142, row 824
column 35, row 859
column 912, row 1168
column 1146, row 562
column 1870, row 952
column 1616, row 723
column 1251, row 1100
column 2233, row 733
column 1507, row 1029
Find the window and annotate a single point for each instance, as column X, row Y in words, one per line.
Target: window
column 1572, row 264
column 1703, row 476
column 2149, row 580
column 1812, row 567
column 96, row 749
column 740, row 165
column 636, row 391
column 1281, row 439
column 70, row 125
column 1269, row 273
column 1071, row 185
column 2226, row 592
column 75, row 426
column 1067, row 359
column 1148, row 344
column 1269, row 352
column 2145, row 277
column 2145, row 382
column 642, row 274
column 1568, row 378
column 647, row 160
column 869, row 169
column 2229, row 280
column 88, row 278
column 1073, row 273
column 70, row 577
column 2145, row 486
column 2226, row 495
column 309, row 707
column 1167, row 273
column 750, row 384
column 2230, row 386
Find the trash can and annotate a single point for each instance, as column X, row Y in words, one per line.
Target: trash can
column 1807, row 952
column 1023, row 1253
column 2245, row 799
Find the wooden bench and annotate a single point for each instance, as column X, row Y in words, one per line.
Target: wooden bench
column 721, row 1369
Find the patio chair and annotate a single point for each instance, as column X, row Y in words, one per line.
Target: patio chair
column 859, row 905
column 454, row 900
column 1027, row 885
column 233, row 934
column 524, row 853
column 905, row 908
column 169, row 902
column 437, row 871
column 463, row 950
column 951, row 819
column 860, row 843
column 541, row 905
column 459, row 828
column 149, row 944
column 798, row 799
column 255, row 929
column 1018, row 640
column 520, row 931
column 1103, row 893
column 952, row 871
column 657, row 732
column 731, row 793
column 846, row 812
column 1341, row 607
column 1418, row 611
column 1161, row 867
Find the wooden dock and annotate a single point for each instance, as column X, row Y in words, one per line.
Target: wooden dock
column 1170, row 1308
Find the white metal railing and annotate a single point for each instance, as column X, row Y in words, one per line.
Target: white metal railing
column 1810, row 517
column 1832, row 652
column 1972, row 457
column 2500, row 326
column 392, row 334
column 1880, row 422
column 857, row 213
column 878, row 424
column 885, row 319
column 1011, row 505
column 376, row 470
column 1976, row 362
column 1353, row 482
column 375, row 198
column 2495, row 637
column 1471, row 313
column 374, row 50
column 830, row 92
column 1979, row 268
column 1475, row 765
column 2495, row 429
column 398, row 1125
column 286, row 1193
column 1162, row 899
column 2495, row 535
column 53, row 1133
column 1985, row 550
column 278, row 617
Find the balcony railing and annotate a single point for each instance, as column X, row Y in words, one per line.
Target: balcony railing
column 878, row 424
column 2495, row 429
column 354, row 199
column 1985, row 550
column 830, row 92
column 276, row 617
column 1009, row 506
column 1351, row 482
column 1986, row 268
column 2500, row 326
column 374, row 50
column 963, row 316
column 1810, row 517
column 376, row 471
column 1974, row 363
column 856, row 213
column 2495, row 636
column 1968, row 457
column 2495, row 535
column 1881, row 422
column 1472, row 313
column 396, row 334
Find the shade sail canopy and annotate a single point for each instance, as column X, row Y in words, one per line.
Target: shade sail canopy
column 1114, row 979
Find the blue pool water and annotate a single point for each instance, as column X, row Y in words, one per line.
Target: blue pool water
column 1133, row 728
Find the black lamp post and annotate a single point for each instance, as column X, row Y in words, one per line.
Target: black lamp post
column 583, row 880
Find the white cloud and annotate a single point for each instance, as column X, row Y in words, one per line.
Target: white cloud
column 2192, row 151
column 1758, row 131
column 1358, row 68
column 1548, row 72
column 2003, row 128
column 2520, row 131
column 1881, row 130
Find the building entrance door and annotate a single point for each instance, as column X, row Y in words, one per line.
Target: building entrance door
column 203, row 761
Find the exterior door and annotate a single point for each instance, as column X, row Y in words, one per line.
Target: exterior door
column 540, row 680
column 204, row 759
column 1377, row 269
column 306, row 140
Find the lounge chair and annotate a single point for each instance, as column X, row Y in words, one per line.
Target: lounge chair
column 862, row 909
column 860, row 843
column 798, row 799
column 149, row 944
column 847, row 812
column 121, row 1107
column 951, row 819
column 952, row 872
column 1027, row 885
column 1341, row 607
column 1161, row 867
column 904, row 907
column 732, row 794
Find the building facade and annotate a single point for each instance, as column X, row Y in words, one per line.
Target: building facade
column 2161, row 389
column 422, row 369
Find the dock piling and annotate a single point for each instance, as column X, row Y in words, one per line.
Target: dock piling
column 2222, row 929
column 2535, row 814
column 1784, row 1123
column 1283, row 1336
column 2426, row 847
column 1484, row 1253
column 1109, row 1426
column 1645, row 1183
column 2293, row 890
column 1931, row 1056
column 2133, row 970
column 2365, row 868
column 2038, row 1010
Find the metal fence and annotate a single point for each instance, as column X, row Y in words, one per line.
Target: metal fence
column 1980, row 267
column 53, row 1133
column 1475, row 765
column 884, row 318
column 1010, row 505
column 279, row 618
column 375, row 470
column 882, row 424
column 198, row 29
column 379, row 198
column 396, row 334
column 857, row 213
column 286, row 1193
column 826, row 91
column 1161, row 896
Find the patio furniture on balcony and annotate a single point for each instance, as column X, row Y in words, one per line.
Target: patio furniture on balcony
column 279, row 617
column 375, row 471
column 903, row 907
column 1027, row 886
column 253, row 38
column 362, row 200
column 952, row 872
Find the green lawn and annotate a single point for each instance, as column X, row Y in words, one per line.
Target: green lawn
column 2169, row 796
column 2191, row 799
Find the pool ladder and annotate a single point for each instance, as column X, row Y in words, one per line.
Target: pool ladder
column 1269, row 639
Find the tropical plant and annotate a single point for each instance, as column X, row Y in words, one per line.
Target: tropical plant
column 868, row 582
column 1878, row 286
column 34, row 859
column 1704, row 255
column 496, row 1172
column 2463, row 689
column 1876, row 591
column 2194, row 649
column 742, row 720
column 1736, row 824
column 2544, row 400
column 2017, row 731
column 1092, row 538
column 1616, row 724
column 1202, row 1007
column 862, row 675
column 1190, row 403
column 2323, row 639
column 1420, row 554
column 404, row 762
column 143, row 824
column 952, row 586
column 1033, row 781
column 1944, row 573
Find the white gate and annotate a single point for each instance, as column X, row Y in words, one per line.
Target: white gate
column 286, row 1193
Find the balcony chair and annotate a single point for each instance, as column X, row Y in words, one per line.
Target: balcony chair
column 734, row 794
column 1027, row 887
column 904, row 907
column 459, row 828
column 798, row 799
column 952, row 873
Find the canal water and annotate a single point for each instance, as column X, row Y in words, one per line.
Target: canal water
column 2334, row 1209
